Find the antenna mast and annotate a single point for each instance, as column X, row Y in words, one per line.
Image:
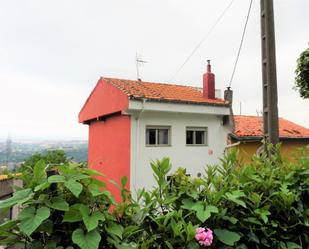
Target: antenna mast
column 138, row 62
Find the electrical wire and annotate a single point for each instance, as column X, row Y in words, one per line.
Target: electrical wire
column 240, row 46
column 203, row 39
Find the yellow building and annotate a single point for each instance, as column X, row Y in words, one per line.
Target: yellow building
column 248, row 135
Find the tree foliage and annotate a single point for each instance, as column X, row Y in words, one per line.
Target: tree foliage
column 49, row 157
column 302, row 74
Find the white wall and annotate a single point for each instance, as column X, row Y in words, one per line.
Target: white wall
column 193, row 158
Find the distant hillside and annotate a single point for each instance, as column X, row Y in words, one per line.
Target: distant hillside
column 19, row 151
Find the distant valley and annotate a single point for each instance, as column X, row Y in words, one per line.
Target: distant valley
column 14, row 152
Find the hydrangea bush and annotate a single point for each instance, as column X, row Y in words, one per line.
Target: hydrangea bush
column 258, row 205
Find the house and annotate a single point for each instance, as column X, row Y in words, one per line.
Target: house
column 248, row 135
column 132, row 122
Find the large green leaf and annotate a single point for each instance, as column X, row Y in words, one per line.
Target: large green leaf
column 31, row 218
column 227, row 237
column 19, row 197
column 11, row 240
column 56, row 179
column 6, row 228
column 235, row 196
column 77, row 177
column 89, row 240
column 58, row 203
column 95, row 190
column 8, row 224
column 188, row 204
column 42, row 186
column 263, row 213
column 292, row 245
column 91, row 221
column 46, row 226
column 115, row 229
column 202, row 212
column 75, row 187
column 73, row 215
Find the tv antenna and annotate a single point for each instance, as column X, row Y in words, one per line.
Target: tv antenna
column 139, row 63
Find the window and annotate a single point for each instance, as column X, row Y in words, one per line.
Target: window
column 157, row 136
column 196, row 136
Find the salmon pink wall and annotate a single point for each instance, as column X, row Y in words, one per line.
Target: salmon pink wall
column 104, row 99
column 109, row 150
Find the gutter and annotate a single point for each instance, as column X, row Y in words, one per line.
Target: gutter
column 259, row 138
column 164, row 100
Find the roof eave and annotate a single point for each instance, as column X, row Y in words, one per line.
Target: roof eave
column 259, row 138
column 180, row 101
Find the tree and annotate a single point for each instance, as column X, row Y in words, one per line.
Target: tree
column 49, row 157
column 302, row 74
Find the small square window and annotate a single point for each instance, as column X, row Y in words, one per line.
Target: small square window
column 157, row 136
column 196, row 136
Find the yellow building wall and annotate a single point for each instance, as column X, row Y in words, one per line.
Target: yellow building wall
column 290, row 149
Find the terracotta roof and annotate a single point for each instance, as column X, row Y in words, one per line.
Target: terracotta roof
column 6, row 177
column 252, row 126
column 162, row 92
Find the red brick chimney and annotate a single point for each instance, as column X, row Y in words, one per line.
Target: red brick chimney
column 209, row 83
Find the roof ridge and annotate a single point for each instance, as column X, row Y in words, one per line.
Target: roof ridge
column 149, row 82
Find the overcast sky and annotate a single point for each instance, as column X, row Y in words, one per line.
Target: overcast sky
column 53, row 52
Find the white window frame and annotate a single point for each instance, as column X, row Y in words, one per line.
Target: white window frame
column 194, row 129
column 158, row 127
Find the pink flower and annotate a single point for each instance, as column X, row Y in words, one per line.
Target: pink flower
column 204, row 237
column 200, row 230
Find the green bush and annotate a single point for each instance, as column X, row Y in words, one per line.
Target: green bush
column 62, row 210
column 264, row 204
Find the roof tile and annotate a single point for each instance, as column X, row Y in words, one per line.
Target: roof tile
column 162, row 91
column 252, row 126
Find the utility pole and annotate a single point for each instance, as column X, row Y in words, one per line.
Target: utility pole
column 269, row 74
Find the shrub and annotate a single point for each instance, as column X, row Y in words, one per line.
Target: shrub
column 263, row 204
column 59, row 211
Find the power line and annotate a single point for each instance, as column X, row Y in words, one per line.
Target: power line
column 203, row 39
column 241, row 42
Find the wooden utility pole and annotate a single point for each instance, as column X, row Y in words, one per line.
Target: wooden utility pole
column 269, row 74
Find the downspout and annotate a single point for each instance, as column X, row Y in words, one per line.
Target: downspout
column 231, row 145
column 137, row 142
